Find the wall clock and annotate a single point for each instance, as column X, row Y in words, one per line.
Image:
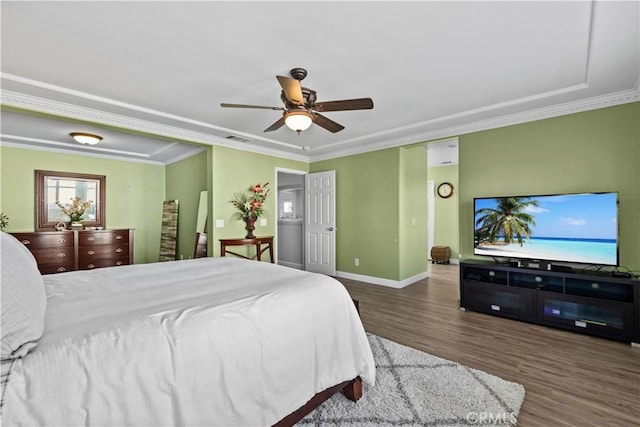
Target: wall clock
column 445, row 190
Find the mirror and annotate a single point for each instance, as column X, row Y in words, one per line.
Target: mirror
column 52, row 187
column 200, row 250
column 201, row 222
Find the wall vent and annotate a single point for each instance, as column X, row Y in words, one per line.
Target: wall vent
column 238, row 138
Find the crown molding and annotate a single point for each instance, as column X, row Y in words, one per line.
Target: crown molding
column 25, row 102
column 31, row 103
column 53, row 148
column 14, row 141
column 572, row 107
column 132, row 107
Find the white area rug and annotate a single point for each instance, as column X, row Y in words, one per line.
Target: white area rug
column 414, row 388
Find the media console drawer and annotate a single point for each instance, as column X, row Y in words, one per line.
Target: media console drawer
column 598, row 305
column 500, row 300
column 600, row 317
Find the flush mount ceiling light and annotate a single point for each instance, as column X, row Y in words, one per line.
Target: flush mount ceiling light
column 298, row 120
column 86, row 138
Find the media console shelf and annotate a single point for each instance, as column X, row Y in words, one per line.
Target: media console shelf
column 603, row 306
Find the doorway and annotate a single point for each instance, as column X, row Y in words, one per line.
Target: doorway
column 443, row 212
column 290, row 216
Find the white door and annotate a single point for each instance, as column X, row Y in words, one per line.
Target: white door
column 320, row 223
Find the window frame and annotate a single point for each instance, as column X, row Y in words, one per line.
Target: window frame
column 42, row 222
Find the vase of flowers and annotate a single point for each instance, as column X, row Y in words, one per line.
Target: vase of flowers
column 250, row 205
column 75, row 211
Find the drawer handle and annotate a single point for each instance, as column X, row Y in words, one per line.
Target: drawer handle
column 26, row 242
column 119, row 263
column 61, row 241
column 91, row 238
column 91, row 266
column 61, row 269
column 119, row 237
column 91, row 252
column 119, row 250
column 61, row 255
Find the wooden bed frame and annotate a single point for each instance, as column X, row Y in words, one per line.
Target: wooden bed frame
column 351, row 389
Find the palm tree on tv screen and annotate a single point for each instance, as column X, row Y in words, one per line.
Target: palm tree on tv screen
column 507, row 221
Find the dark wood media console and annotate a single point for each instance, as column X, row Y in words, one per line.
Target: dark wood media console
column 594, row 304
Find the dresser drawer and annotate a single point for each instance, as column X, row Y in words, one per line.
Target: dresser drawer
column 60, row 267
column 103, row 237
column 60, row 251
column 53, row 256
column 105, row 262
column 45, row 240
column 88, row 254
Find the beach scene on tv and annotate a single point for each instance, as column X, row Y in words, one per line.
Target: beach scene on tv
column 579, row 228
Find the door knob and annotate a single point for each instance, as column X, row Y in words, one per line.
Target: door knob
column 330, row 229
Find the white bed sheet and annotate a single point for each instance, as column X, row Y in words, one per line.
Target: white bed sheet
column 212, row 341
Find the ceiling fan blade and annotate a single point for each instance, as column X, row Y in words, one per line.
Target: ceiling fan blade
column 327, row 123
column 224, row 104
column 277, row 125
column 292, row 89
column 345, row 104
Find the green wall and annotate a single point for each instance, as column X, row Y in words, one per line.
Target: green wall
column 412, row 191
column 185, row 180
column 592, row 151
column 378, row 193
column 376, row 198
column 134, row 193
column 446, row 213
column 234, row 171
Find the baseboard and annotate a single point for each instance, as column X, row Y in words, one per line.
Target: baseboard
column 451, row 260
column 290, row 264
column 383, row 282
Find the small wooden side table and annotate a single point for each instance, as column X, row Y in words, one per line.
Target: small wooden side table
column 262, row 244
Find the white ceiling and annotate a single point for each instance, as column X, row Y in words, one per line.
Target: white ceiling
column 149, row 76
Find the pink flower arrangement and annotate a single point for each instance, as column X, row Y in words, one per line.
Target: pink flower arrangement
column 251, row 204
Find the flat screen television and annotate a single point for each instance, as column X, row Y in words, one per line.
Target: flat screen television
column 572, row 228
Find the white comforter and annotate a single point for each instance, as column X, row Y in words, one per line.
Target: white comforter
column 212, row 341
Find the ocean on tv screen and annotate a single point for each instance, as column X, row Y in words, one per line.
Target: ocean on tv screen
column 571, row 227
column 591, row 251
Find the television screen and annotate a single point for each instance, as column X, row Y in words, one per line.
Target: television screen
column 581, row 228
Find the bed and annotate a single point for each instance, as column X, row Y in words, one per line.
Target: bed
column 209, row 341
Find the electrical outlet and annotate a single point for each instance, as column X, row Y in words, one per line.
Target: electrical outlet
column 219, row 223
column 357, row 262
column 413, row 221
column 263, row 222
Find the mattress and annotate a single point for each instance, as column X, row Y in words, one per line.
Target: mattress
column 210, row 341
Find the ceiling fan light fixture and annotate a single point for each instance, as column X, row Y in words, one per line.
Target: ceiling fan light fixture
column 298, row 121
column 86, row 138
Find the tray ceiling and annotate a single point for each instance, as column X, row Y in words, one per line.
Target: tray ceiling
column 150, row 76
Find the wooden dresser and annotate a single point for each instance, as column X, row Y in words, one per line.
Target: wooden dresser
column 60, row 251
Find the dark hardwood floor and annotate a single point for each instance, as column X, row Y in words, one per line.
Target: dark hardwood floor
column 570, row 379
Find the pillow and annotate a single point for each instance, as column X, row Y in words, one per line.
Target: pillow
column 24, row 301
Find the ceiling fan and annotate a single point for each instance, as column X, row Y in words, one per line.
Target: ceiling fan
column 300, row 106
